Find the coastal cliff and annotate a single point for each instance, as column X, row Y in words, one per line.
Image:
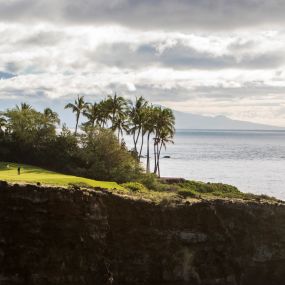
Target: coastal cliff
column 52, row 235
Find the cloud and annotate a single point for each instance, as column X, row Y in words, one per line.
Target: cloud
column 169, row 86
column 48, row 48
column 147, row 14
column 258, row 99
column 43, row 39
column 214, row 57
column 181, row 56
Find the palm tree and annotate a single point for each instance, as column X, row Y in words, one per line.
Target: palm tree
column 121, row 125
column 23, row 107
column 136, row 116
column 103, row 113
column 164, row 137
column 51, row 117
column 149, row 124
column 146, row 123
column 164, row 132
column 117, row 106
column 144, row 119
column 78, row 107
column 92, row 114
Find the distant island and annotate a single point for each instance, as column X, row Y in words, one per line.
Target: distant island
column 193, row 121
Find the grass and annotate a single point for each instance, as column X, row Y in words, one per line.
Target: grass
column 158, row 192
column 33, row 174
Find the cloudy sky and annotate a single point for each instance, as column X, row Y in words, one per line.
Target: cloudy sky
column 210, row 57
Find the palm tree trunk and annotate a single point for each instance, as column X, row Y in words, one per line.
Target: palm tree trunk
column 154, row 154
column 113, row 119
column 77, row 120
column 147, row 155
column 155, row 157
column 137, row 138
column 134, row 140
column 143, row 133
column 158, row 158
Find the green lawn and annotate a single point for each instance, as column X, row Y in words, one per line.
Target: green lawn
column 187, row 190
column 32, row 174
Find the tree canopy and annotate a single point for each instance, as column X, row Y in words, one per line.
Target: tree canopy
column 96, row 149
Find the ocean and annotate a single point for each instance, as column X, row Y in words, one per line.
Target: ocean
column 253, row 161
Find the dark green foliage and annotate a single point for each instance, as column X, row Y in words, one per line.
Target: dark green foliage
column 98, row 151
column 28, row 136
column 27, row 133
column 107, row 159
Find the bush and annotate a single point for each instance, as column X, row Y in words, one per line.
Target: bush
column 210, row 188
column 135, row 187
column 149, row 180
column 185, row 193
column 108, row 160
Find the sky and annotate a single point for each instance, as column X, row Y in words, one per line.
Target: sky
column 208, row 57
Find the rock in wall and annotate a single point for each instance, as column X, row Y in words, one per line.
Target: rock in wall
column 59, row 236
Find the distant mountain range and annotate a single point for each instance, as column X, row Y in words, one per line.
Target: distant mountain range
column 185, row 120
column 191, row 121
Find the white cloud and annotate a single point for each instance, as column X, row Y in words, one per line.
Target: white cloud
column 160, row 15
column 240, row 73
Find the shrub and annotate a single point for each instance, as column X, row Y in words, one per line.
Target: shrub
column 218, row 189
column 150, row 181
column 108, row 160
column 185, row 193
column 135, row 187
